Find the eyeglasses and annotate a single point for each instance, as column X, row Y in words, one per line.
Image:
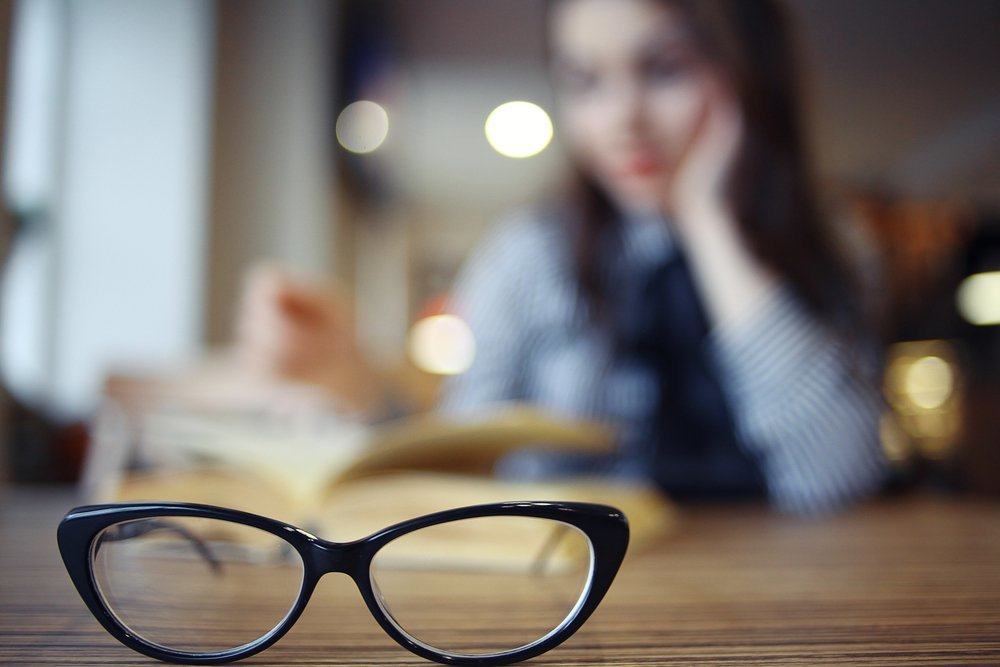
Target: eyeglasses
column 483, row 585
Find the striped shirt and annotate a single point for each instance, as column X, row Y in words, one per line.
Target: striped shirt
column 797, row 407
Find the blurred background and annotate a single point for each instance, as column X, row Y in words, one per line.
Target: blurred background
column 154, row 151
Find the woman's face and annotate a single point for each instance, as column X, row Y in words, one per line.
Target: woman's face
column 633, row 92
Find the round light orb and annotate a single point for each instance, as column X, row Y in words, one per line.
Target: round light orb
column 518, row 129
column 928, row 382
column 362, row 126
column 978, row 298
column 442, row 345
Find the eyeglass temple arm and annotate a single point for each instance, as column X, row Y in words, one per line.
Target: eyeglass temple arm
column 548, row 548
column 128, row 531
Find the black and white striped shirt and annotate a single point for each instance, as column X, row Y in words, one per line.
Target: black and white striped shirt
column 811, row 423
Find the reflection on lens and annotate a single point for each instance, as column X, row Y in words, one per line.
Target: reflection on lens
column 193, row 584
column 484, row 585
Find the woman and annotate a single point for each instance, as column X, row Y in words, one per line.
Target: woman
column 684, row 287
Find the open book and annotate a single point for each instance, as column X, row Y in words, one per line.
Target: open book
column 345, row 480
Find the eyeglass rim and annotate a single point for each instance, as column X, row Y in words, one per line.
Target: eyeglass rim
column 605, row 527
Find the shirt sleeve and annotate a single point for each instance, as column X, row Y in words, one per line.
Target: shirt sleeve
column 802, row 405
column 487, row 295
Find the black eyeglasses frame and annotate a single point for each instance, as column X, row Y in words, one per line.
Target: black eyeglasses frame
column 605, row 527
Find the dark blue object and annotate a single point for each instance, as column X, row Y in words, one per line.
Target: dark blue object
column 690, row 448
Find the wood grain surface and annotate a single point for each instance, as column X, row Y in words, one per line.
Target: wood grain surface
column 901, row 581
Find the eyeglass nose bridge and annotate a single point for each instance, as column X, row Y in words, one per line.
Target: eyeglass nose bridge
column 349, row 558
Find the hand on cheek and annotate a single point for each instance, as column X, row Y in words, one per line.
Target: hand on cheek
column 698, row 186
column 732, row 282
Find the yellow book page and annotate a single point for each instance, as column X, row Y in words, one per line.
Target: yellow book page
column 432, row 442
column 304, row 457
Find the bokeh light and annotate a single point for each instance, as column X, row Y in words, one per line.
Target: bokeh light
column 978, row 298
column 923, row 383
column 362, row 126
column 442, row 345
column 928, row 382
column 518, row 129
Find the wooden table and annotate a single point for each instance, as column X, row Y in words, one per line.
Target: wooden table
column 907, row 580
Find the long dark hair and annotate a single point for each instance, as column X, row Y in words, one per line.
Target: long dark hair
column 771, row 188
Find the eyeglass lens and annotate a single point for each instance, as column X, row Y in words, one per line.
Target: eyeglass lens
column 484, row 585
column 194, row 584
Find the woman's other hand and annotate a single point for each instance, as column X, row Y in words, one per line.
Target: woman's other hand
column 292, row 329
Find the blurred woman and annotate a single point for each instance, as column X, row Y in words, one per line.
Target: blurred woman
column 684, row 285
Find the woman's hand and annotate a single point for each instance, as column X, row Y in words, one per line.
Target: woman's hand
column 291, row 329
column 731, row 280
column 698, row 187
